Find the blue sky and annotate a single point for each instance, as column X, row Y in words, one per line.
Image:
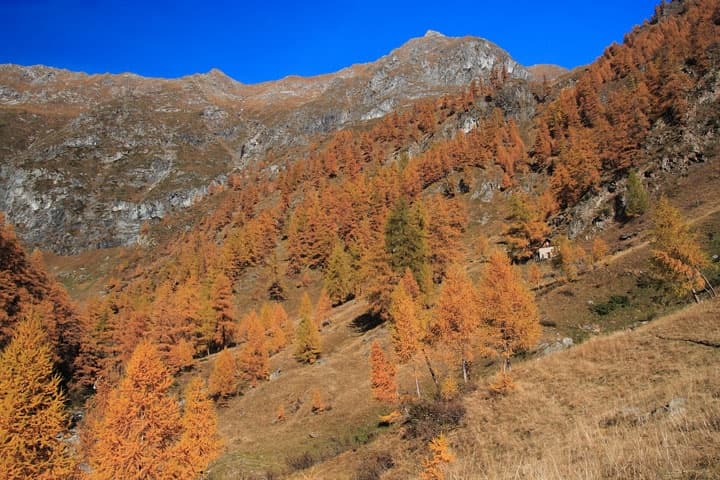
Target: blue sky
column 254, row 41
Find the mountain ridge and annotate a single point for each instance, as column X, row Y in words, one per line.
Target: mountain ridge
column 70, row 139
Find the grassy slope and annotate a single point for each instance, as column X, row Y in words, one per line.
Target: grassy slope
column 596, row 411
column 577, row 414
column 641, row 403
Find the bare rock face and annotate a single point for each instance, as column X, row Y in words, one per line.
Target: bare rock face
column 86, row 159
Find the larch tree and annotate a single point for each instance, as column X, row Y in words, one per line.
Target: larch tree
column 528, row 223
column 281, row 319
column 223, row 381
column 406, row 331
column 33, row 420
column 676, row 253
column 508, row 308
column 275, row 334
column 636, row 197
column 199, row 443
column 599, row 249
column 307, row 340
column 534, row 274
column 456, row 316
column 382, row 376
column 140, row 424
column 339, row 279
column 568, row 257
column 254, row 359
column 322, row 309
column 440, row 457
column 222, row 305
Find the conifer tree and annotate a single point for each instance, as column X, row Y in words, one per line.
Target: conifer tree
column 222, row 304
column 339, row 278
column 406, row 330
column 636, row 198
column 508, row 308
column 199, row 443
column 33, row 419
column 140, row 423
column 434, row 467
column 410, row 285
column 534, row 274
column 307, row 340
column 276, row 338
column 282, row 322
column 456, row 316
column 676, row 254
column 568, row 256
column 322, row 309
column 276, row 287
column 223, row 381
column 382, row 376
column 599, row 249
column 253, row 358
column 406, row 242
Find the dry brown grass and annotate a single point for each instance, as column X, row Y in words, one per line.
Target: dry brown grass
column 600, row 410
column 257, row 443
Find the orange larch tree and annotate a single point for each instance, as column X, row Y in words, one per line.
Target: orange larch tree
column 224, row 309
column 140, row 423
column 676, row 253
column 322, row 309
column 199, row 444
column 253, row 359
column 223, row 381
column 508, row 308
column 434, row 467
column 33, row 420
column 307, row 340
column 456, row 319
column 382, row 376
column 406, row 332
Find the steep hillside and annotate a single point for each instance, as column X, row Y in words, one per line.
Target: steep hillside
column 367, row 276
column 89, row 158
column 636, row 404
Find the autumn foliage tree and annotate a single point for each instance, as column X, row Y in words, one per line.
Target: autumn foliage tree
column 676, row 253
column 456, row 318
column 323, row 307
column 142, row 432
column 440, row 457
column 253, row 358
column 33, row 420
column 223, row 381
column 224, row 311
column 339, row 278
column 199, row 444
column 406, row 331
column 139, row 424
column 382, row 376
column 508, row 308
column 307, row 340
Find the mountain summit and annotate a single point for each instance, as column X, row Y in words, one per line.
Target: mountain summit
column 88, row 158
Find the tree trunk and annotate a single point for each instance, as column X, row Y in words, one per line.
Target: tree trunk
column 417, row 381
column 464, row 370
column 432, row 372
column 708, row 285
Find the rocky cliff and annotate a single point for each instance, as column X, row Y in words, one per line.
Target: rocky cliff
column 87, row 158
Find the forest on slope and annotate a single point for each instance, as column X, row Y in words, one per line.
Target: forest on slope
column 418, row 229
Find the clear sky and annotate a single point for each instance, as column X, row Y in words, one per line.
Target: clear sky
column 254, row 40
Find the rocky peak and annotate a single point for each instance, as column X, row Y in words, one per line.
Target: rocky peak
column 433, row 34
column 88, row 158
